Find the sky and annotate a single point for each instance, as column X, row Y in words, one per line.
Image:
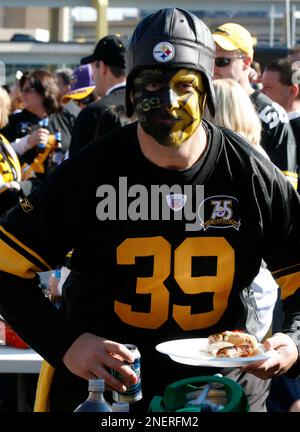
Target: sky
column 90, row 14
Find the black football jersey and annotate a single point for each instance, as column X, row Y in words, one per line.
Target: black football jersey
column 277, row 137
column 158, row 254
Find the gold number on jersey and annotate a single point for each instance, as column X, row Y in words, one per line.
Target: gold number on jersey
column 160, row 249
column 219, row 284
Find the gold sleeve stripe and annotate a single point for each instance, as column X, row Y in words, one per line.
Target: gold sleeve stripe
column 3, row 187
column 22, row 250
column 14, row 263
column 289, row 284
column 290, row 174
column 284, row 270
column 291, row 177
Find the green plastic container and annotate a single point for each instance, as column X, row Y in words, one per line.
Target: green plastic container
column 176, row 395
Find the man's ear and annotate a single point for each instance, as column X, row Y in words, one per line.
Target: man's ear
column 103, row 67
column 295, row 90
column 131, row 97
column 247, row 61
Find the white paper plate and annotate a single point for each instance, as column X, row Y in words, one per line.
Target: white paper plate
column 194, row 352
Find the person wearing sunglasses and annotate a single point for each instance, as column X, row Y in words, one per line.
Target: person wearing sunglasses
column 221, row 62
column 234, row 55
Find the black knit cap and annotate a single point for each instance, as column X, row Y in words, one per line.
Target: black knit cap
column 169, row 38
column 110, row 49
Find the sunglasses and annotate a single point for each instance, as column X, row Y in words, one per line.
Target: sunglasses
column 225, row 61
column 26, row 90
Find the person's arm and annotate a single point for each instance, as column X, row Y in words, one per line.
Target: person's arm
column 28, row 142
column 277, row 138
column 92, row 356
column 286, row 265
column 34, row 237
column 278, row 141
column 282, row 256
column 283, row 152
column 35, row 318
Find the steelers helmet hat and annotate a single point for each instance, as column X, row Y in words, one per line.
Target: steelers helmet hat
column 169, row 38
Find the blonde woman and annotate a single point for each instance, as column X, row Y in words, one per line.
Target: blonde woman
column 235, row 111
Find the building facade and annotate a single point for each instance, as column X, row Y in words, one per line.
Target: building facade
column 62, row 40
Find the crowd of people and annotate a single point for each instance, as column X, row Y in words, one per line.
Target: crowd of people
column 177, row 105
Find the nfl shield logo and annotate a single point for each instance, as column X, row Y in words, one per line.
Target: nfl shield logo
column 176, row 202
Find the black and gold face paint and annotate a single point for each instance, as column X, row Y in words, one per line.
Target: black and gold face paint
column 169, row 104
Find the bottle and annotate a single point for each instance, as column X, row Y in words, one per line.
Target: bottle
column 57, row 155
column 95, row 401
column 53, row 292
column 27, row 171
column 44, row 123
column 57, row 273
column 120, row 407
column 133, row 392
column 24, row 128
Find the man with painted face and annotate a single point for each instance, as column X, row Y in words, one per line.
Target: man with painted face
column 169, row 104
column 166, row 235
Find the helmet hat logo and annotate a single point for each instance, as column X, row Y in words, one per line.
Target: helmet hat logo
column 163, row 52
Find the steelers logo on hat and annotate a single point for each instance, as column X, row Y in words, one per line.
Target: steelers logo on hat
column 163, row 52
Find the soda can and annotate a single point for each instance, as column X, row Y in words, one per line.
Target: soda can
column 133, row 392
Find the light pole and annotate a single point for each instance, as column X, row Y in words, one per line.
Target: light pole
column 102, row 26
